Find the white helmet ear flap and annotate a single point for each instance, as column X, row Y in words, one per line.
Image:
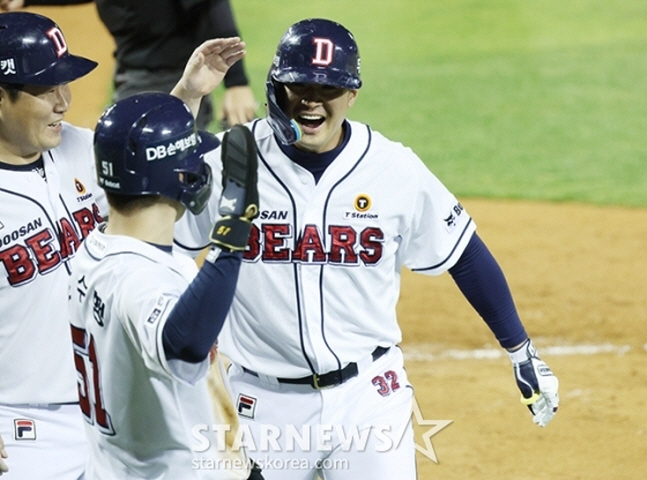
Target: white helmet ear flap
column 286, row 129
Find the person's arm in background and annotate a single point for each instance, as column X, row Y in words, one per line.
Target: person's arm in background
column 238, row 103
column 206, row 68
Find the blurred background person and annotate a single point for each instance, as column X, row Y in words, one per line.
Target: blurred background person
column 154, row 39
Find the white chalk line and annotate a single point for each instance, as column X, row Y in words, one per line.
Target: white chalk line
column 430, row 353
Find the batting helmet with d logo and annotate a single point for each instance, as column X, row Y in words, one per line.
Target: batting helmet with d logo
column 312, row 51
column 33, row 51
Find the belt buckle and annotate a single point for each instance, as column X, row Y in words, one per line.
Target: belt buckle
column 316, row 385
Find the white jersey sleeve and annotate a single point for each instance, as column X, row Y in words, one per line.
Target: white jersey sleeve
column 437, row 228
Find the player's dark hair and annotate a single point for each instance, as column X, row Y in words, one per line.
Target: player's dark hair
column 129, row 203
column 13, row 90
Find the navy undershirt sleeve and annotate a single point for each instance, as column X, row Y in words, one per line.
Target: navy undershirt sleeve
column 224, row 24
column 194, row 323
column 481, row 280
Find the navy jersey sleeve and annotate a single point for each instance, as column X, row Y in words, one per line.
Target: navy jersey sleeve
column 222, row 20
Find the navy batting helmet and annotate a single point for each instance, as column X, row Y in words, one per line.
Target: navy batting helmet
column 147, row 144
column 33, row 51
column 311, row 51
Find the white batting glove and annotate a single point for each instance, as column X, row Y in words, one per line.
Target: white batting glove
column 537, row 383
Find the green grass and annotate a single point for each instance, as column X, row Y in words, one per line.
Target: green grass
column 527, row 99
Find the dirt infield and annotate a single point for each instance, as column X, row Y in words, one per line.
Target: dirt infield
column 578, row 274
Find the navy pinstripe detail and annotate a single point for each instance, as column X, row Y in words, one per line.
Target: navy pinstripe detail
column 294, row 265
column 323, row 223
column 190, row 249
column 448, row 256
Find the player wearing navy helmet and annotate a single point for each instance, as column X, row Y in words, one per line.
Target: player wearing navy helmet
column 312, row 331
column 142, row 325
column 49, row 203
column 335, row 63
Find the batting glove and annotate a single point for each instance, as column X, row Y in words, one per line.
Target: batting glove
column 537, row 383
column 239, row 200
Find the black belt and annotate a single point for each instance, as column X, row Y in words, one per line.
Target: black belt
column 330, row 379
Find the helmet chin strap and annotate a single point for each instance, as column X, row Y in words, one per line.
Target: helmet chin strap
column 286, row 129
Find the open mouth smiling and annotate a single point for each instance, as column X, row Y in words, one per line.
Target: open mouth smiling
column 309, row 120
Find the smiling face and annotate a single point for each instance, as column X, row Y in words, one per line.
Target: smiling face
column 320, row 111
column 31, row 124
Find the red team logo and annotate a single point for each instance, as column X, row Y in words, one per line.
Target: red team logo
column 41, row 249
column 347, row 246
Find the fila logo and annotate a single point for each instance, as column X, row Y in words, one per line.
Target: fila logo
column 59, row 41
column 323, row 52
column 24, row 429
column 246, row 406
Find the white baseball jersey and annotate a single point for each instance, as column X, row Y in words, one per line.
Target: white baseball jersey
column 140, row 409
column 44, row 216
column 321, row 277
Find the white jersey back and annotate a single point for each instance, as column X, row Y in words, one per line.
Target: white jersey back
column 321, row 277
column 44, row 216
column 139, row 408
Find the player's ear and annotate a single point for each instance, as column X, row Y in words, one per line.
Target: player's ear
column 352, row 95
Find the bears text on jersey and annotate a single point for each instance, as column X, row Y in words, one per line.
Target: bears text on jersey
column 38, row 254
column 347, row 246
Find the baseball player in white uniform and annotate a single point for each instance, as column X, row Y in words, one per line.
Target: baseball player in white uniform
column 49, row 203
column 312, row 332
column 142, row 325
